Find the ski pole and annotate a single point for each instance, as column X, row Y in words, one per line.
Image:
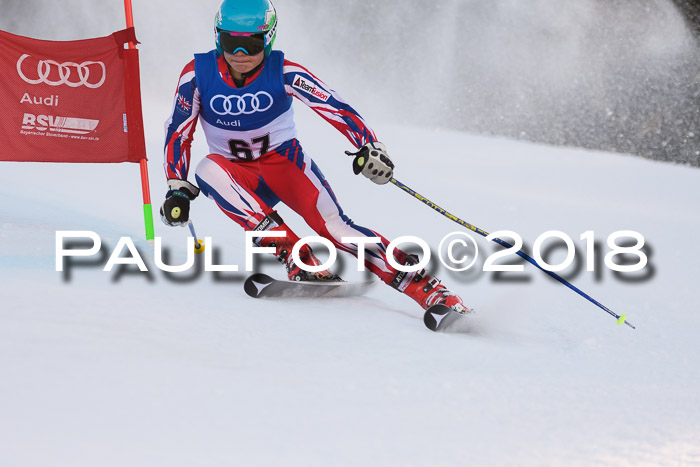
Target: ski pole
column 198, row 244
column 620, row 318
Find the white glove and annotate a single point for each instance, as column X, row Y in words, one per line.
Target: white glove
column 373, row 162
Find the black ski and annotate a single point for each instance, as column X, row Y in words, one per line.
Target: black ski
column 264, row 286
column 440, row 317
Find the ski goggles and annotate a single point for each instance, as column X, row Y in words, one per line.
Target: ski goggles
column 246, row 42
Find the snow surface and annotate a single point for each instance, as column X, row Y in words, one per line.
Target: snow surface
column 134, row 369
column 116, row 369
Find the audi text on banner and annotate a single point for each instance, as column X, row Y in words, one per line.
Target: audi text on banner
column 74, row 101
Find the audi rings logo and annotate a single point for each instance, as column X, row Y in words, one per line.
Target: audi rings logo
column 69, row 73
column 246, row 104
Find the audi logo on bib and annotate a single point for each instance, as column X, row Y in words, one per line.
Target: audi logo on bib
column 245, row 104
column 69, row 73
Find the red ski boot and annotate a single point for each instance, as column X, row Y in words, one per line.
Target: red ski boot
column 426, row 290
column 283, row 252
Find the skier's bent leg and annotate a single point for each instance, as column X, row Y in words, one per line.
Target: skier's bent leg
column 239, row 191
column 299, row 183
column 233, row 187
column 283, row 250
column 308, row 192
column 419, row 285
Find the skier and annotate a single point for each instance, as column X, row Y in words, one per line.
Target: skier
column 242, row 93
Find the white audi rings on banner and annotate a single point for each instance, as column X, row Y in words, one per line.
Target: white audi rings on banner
column 43, row 70
column 245, row 104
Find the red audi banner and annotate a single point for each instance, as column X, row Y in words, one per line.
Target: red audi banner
column 76, row 101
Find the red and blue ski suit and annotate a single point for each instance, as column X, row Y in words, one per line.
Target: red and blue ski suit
column 255, row 159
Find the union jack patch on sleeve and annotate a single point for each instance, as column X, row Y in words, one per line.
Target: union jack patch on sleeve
column 183, row 103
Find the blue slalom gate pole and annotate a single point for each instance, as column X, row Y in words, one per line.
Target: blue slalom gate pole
column 620, row 318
